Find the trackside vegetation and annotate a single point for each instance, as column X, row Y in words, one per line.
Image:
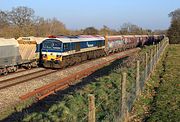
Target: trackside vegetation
column 161, row 100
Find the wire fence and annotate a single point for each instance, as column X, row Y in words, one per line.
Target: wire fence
column 124, row 103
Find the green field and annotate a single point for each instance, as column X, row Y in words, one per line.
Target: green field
column 160, row 102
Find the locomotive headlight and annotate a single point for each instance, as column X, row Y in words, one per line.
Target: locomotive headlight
column 59, row 57
column 44, row 56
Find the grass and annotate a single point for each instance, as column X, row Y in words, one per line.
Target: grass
column 167, row 102
column 15, row 108
column 160, row 101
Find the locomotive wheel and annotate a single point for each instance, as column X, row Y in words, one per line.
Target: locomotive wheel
column 84, row 57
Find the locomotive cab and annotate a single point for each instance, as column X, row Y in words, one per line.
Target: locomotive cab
column 51, row 51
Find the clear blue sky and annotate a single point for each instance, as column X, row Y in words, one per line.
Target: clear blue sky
column 76, row 14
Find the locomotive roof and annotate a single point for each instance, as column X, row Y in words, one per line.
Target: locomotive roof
column 78, row 39
column 6, row 42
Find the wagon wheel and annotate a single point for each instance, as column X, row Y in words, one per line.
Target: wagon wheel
column 15, row 68
column 5, row 72
column 29, row 66
column 107, row 53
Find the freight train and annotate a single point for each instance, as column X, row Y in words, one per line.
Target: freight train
column 23, row 52
column 64, row 51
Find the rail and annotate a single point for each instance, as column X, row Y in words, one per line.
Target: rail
column 24, row 78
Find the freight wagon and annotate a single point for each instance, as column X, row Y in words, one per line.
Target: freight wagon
column 23, row 52
column 29, row 48
column 9, row 55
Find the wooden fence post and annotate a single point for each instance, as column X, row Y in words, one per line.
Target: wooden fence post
column 157, row 53
column 146, row 68
column 137, row 79
column 162, row 44
column 159, row 49
column 151, row 60
column 91, row 116
column 154, row 59
column 123, row 99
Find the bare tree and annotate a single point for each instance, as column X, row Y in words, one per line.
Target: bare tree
column 56, row 27
column 3, row 22
column 45, row 27
column 21, row 16
column 90, row 31
column 175, row 15
column 128, row 28
column 3, row 19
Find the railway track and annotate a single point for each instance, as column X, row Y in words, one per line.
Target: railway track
column 20, row 70
column 24, row 78
column 66, row 81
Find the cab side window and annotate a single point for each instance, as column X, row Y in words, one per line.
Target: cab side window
column 100, row 43
column 66, row 47
column 77, row 46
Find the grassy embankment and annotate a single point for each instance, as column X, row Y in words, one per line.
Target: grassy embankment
column 160, row 102
column 73, row 104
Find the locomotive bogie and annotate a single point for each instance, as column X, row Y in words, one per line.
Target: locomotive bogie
column 70, row 60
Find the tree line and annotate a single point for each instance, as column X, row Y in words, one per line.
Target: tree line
column 174, row 29
column 22, row 21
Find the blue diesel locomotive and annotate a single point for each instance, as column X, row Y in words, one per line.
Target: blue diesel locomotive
column 61, row 51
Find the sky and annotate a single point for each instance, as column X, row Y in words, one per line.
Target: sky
column 79, row 14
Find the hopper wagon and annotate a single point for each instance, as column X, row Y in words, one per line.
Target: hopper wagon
column 23, row 52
